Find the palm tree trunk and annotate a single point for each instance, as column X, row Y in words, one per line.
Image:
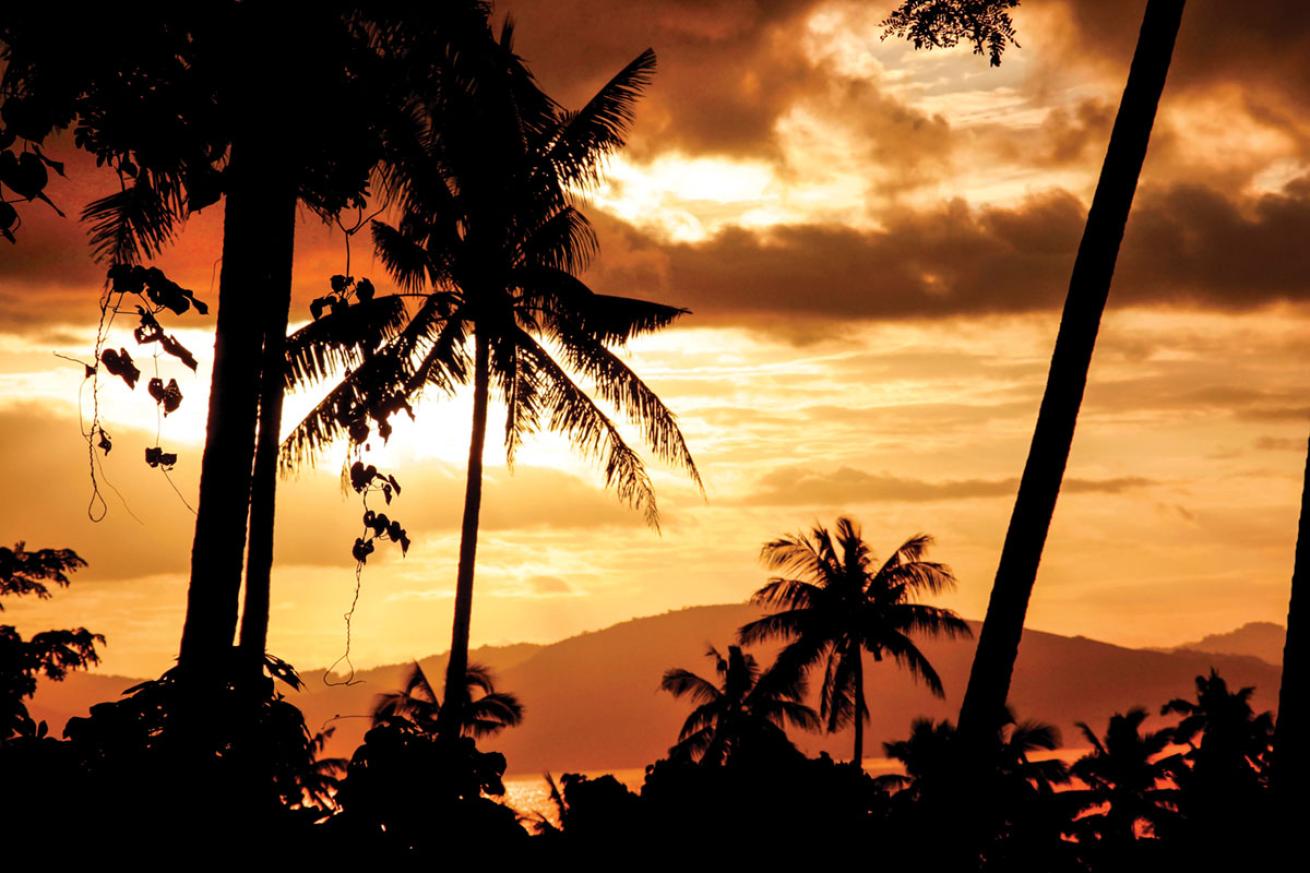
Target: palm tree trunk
column 258, row 236
column 857, row 760
column 263, row 490
column 456, row 692
column 1291, row 761
column 998, row 646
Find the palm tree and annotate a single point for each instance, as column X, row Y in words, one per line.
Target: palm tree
column 987, row 24
column 744, row 715
column 928, row 754
column 1127, row 780
column 184, row 122
column 1023, row 822
column 845, row 604
column 1221, row 786
column 487, row 712
column 490, row 228
column 403, row 47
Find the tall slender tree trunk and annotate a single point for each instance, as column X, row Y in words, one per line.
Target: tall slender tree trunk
column 258, row 236
column 1291, row 758
column 857, row 759
column 263, row 489
column 989, row 682
column 456, row 693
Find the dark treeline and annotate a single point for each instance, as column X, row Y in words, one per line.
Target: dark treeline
column 427, row 116
column 1185, row 785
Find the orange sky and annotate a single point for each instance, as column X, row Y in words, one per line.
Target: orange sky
column 874, row 243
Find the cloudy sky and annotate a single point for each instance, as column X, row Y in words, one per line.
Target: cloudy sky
column 874, row 243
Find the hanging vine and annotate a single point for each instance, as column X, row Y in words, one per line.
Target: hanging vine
column 155, row 294
column 368, row 409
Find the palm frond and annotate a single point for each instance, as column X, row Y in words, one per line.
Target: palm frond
column 789, row 593
column 575, row 415
column 587, row 136
column 798, row 554
column 785, row 625
column 932, row 621
column 405, row 258
column 680, row 682
column 339, row 340
column 618, row 385
column 838, row 694
column 133, row 223
column 564, row 242
column 907, row 655
column 918, row 577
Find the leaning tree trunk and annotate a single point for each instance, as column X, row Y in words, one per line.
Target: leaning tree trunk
column 1291, row 759
column 989, row 682
column 263, row 489
column 258, row 236
column 857, row 759
column 455, row 699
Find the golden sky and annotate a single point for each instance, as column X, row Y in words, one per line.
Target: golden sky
column 874, row 243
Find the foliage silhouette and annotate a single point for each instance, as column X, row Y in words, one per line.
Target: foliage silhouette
column 744, row 716
column 986, row 24
column 490, row 228
column 407, row 794
column 1221, row 790
column 841, row 604
column 1024, row 822
column 50, row 653
column 251, row 768
column 1129, row 786
column 487, row 712
column 161, row 100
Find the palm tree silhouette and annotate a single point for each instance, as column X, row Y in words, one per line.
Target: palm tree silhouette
column 1023, row 823
column 928, row 755
column 1127, row 781
column 1222, row 787
column 744, row 714
column 487, row 711
column 490, row 226
column 845, row 604
column 986, row 23
column 184, row 123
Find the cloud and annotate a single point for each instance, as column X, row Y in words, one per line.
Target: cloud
column 49, row 275
column 747, row 51
column 1280, row 444
column 1185, row 244
column 43, row 465
column 546, row 585
column 796, row 486
column 1265, row 46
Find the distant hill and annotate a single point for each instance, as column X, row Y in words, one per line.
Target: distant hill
column 593, row 702
column 1260, row 639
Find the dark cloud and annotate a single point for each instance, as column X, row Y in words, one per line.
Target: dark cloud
column 50, row 277
column 728, row 68
column 797, row 486
column 1185, row 244
column 1265, row 46
column 1280, row 444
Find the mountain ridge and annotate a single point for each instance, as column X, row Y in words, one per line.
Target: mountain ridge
column 593, row 702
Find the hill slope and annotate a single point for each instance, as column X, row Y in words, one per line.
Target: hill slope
column 1260, row 639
